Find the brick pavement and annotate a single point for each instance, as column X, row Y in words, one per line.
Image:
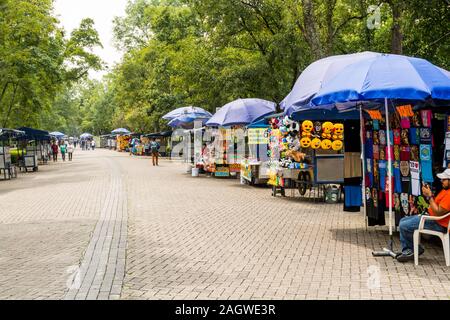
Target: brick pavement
column 188, row 238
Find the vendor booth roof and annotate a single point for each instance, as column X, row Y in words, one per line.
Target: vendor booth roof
column 316, row 75
column 187, row 111
column 159, row 134
column 10, row 133
column 241, row 112
column 34, row 134
column 387, row 76
column 324, row 114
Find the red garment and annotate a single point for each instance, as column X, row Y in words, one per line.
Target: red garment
column 54, row 148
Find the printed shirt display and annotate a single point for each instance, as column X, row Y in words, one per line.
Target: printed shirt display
column 414, row 168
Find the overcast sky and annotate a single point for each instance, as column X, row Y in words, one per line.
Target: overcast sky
column 71, row 12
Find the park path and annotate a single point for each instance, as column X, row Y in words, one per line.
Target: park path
column 111, row 226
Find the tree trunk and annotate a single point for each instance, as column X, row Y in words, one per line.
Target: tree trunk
column 310, row 27
column 397, row 36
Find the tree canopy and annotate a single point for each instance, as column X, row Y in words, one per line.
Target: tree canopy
column 197, row 52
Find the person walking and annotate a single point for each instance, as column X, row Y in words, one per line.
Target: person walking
column 70, row 149
column 154, row 148
column 93, row 144
column 63, row 149
column 55, row 151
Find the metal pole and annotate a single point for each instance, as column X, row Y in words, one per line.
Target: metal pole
column 363, row 161
column 388, row 251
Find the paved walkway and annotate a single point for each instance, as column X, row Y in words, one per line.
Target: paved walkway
column 110, row 226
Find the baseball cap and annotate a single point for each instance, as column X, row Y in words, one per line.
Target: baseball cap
column 444, row 175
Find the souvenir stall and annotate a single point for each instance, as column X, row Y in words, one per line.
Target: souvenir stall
column 36, row 144
column 7, row 168
column 306, row 155
column 235, row 116
column 420, row 149
column 123, row 142
column 163, row 138
column 398, row 136
column 220, row 157
column 255, row 166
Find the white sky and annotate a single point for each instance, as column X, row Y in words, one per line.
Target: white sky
column 71, row 12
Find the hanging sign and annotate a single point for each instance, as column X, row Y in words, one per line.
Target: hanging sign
column 374, row 114
column 222, row 172
column 257, row 136
column 405, row 111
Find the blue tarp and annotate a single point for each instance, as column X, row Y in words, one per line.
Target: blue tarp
column 34, row 134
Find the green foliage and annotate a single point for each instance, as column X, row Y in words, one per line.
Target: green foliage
column 37, row 63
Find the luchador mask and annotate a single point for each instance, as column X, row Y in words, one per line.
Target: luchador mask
column 404, row 202
column 404, row 168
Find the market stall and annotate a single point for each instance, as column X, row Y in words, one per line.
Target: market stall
column 7, row 168
column 397, row 138
column 255, row 166
column 35, row 148
column 163, row 138
column 228, row 149
column 306, row 155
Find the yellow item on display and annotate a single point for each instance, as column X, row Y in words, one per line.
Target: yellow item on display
column 307, row 126
column 316, row 143
column 337, row 145
column 306, row 134
column 338, row 128
column 327, row 128
column 326, row 144
column 305, row 142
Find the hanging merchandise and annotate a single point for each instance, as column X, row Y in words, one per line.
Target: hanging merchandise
column 414, row 168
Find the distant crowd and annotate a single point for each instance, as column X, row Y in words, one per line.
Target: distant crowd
column 67, row 147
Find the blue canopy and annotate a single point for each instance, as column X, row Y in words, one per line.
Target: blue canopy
column 241, row 112
column 333, row 114
column 188, row 120
column 120, row 131
column 387, row 76
column 34, row 134
column 187, row 111
column 86, row 136
column 57, row 134
column 316, row 75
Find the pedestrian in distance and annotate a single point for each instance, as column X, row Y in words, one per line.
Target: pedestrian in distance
column 93, row 144
column 63, row 149
column 70, row 149
column 154, row 148
column 55, row 150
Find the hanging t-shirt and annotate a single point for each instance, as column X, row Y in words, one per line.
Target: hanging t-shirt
column 375, row 125
column 426, row 118
column 426, row 163
column 414, row 136
column 397, row 153
column 404, row 135
column 397, row 177
column 368, row 148
column 404, row 204
column 425, row 135
column 382, row 135
column 397, row 139
column 415, row 153
column 369, row 169
column 405, row 153
column 382, row 174
column 397, row 209
column 376, row 151
column 406, row 179
column 405, row 123
column 414, row 168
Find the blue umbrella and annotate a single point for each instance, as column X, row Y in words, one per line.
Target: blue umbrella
column 187, row 120
column 187, row 111
column 316, row 75
column 387, row 76
column 86, row 136
column 241, row 112
column 57, row 134
column 120, row 131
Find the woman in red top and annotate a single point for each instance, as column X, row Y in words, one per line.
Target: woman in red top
column 439, row 207
column 55, row 151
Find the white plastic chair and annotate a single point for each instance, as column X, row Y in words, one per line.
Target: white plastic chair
column 443, row 236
